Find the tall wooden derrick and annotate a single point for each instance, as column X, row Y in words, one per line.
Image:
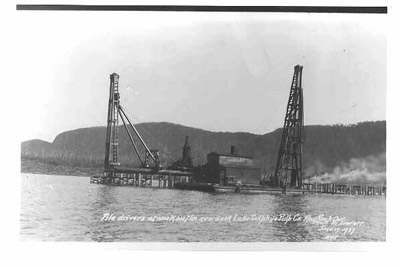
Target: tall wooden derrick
column 116, row 112
column 289, row 167
column 111, row 154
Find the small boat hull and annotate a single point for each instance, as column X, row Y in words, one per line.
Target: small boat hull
column 247, row 189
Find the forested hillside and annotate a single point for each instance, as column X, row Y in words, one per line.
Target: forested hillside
column 325, row 147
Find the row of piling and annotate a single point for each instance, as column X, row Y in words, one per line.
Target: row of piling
column 340, row 188
column 169, row 181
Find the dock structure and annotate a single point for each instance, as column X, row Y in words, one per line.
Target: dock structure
column 146, row 178
column 341, row 188
column 307, row 188
column 223, row 173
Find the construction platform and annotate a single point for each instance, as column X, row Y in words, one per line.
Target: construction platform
column 170, row 179
column 143, row 177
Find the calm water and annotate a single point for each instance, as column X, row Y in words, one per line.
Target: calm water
column 61, row 208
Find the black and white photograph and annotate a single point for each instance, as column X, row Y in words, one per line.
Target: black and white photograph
column 203, row 127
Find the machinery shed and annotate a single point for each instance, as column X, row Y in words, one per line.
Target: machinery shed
column 232, row 168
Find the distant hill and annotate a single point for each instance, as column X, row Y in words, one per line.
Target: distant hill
column 325, row 146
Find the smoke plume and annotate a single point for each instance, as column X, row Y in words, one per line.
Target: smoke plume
column 370, row 169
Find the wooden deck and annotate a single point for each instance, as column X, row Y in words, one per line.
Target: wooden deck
column 183, row 180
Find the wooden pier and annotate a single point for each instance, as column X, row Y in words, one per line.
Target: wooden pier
column 307, row 188
column 141, row 177
column 340, row 188
column 173, row 179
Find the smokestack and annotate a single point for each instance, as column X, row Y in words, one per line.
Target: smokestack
column 232, row 149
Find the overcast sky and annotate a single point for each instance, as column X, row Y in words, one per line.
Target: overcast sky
column 215, row 71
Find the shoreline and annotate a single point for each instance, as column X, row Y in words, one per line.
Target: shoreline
column 35, row 166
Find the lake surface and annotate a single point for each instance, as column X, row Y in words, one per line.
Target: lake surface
column 67, row 208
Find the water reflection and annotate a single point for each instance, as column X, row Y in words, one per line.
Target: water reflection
column 103, row 199
column 72, row 211
column 293, row 208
